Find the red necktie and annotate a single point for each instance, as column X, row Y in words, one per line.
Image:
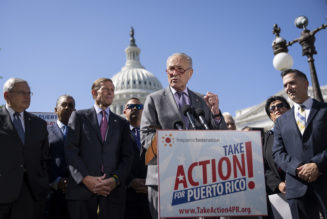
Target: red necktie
column 103, row 125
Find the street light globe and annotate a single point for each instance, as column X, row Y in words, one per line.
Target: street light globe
column 282, row 61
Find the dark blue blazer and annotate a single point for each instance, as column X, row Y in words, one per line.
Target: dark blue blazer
column 86, row 153
column 18, row 159
column 58, row 166
column 291, row 149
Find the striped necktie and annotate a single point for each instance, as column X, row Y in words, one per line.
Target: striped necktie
column 300, row 118
column 182, row 102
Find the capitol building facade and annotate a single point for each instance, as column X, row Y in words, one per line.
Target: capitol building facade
column 133, row 80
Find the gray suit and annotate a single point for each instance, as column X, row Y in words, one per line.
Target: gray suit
column 160, row 112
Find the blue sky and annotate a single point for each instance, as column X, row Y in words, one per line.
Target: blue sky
column 62, row 46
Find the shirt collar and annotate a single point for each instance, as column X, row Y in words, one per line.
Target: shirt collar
column 11, row 112
column 99, row 110
column 60, row 124
column 174, row 91
column 307, row 103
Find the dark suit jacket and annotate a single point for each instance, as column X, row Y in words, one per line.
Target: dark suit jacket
column 17, row 159
column 58, row 166
column 138, row 171
column 291, row 149
column 86, row 152
column 273, row 176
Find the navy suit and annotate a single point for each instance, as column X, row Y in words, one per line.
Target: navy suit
column 24, row 181
column 89, row 156
column 57, row 207
column 291, row 150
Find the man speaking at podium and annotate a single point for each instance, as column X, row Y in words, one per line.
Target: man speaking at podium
column 164, row 107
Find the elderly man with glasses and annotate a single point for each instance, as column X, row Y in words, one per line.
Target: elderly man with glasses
column 164, row 107
column 23, row 155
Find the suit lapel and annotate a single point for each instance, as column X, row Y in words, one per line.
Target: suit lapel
column 8, row 125
column 57, row 132
column 169, row 98
column 313, row 111
column 195, row 101
column 92, row 117
column 28, row 130
column 112, row 126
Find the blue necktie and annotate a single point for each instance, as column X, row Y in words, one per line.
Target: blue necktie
column 19, row 127
column 64, row 131
column 136, row 132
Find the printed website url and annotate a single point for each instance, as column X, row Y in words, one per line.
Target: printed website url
column 213, row 210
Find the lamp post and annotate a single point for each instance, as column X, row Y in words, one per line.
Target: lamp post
column 282, row 60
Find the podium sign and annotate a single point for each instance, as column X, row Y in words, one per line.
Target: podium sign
column 210, row 173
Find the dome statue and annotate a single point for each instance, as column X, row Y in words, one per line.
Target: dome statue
column 133, row 80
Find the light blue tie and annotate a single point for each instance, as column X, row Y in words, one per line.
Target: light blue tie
column 19, row 127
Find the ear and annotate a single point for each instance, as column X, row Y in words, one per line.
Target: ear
column 5, row 95
column 124, row 112
column 55, row 109
column 94, row 93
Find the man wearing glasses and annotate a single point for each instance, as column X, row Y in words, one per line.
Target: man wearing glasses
column 137, row 205
column 23, row 155
column 163, row 107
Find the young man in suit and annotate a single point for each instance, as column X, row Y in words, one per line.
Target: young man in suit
column 24, row 151
column 137, row 205
column 163, row 107
column 58, row 172
column 300, row 148
column 99, row 155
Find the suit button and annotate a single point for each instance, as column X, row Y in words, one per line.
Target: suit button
column 22, row 166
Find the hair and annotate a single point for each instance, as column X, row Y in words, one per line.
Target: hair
column 64, row 96
column 297, row 73
column 186, row 57
column 11, row 82
column 132, row 98
column 97, row 83
column 274, row 98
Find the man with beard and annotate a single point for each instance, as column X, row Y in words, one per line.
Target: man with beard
column 99, row 156
column 137, row 205
column 58, row 172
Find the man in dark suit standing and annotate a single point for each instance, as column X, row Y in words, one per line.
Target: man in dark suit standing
column 24, row 151
column 58, row 172
column 137, row 205
column 300, row 148
column 99, row 156
column 163, row 107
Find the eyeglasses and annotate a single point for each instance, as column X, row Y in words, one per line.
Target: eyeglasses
column 277, row 106
column 180, row 70
column 132, row 106
column 23, row 93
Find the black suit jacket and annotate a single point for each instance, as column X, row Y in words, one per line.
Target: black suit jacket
column 86, row 152
column 291, row 149
column 272, row 175
column 17, row 159
column 58, row 166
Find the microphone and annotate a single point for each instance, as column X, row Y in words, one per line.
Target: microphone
column 188, row 111
column 178, row 125
column 200, row 114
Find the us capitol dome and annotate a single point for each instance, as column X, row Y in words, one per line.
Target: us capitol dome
column 133, row 80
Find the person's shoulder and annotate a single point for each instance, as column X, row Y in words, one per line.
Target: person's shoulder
column 158, row 92
column 118, row 117
column 31, row 116
column 191, row 92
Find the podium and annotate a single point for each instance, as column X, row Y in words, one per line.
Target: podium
column 207, row 173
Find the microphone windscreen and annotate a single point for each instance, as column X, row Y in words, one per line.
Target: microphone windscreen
column 199, row 112
column 185, row 109
column 178, row 124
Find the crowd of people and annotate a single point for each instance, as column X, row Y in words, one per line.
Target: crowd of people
column 95, row 164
